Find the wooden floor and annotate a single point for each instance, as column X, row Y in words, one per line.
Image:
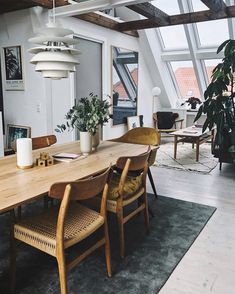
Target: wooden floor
column 209, row 265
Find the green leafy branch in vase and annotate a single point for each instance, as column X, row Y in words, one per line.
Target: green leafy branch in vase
column 86, row 115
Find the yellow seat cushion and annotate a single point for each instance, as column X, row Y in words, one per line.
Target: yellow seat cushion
column 131, row 186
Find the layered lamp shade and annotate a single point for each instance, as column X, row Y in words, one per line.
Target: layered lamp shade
column 54, row 58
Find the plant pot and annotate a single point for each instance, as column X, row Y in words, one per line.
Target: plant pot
column 232, row 147
column 85, row 143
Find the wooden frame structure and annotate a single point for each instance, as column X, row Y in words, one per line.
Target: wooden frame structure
column 155, row 17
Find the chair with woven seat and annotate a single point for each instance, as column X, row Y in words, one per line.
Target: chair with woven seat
column 59, row 228
column 144, row 136
column 167, row 121
column 43, row 141
column 39, row 142
column 128, row 184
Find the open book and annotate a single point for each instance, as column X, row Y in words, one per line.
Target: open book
column 66, row 157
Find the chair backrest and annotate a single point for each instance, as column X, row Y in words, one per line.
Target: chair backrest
column 132, row 165
column 81, row 189
column 44, row 141
column 141, row 135
column 136, row 163
column 165, row 119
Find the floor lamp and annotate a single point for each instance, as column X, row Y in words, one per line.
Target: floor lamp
column 156, row 91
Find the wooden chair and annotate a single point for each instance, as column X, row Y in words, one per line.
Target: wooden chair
column 39, row 142
column 166, row 122
column 128, row 184
column 59, row 228
column 44, row 141
column 144, row 136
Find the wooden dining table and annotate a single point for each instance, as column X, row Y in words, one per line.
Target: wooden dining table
column 19, row 186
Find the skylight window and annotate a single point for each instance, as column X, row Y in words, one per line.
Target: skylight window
column 169, row 8
column 185, row 78
column 210, row 64
column 173, row 37
column 207, row 30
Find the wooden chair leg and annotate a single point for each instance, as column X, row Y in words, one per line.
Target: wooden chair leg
column 146, row 212
column 121, row 232
column 152, row 182
column 62, row 273
column 107, row 250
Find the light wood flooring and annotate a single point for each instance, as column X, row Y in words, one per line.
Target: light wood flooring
column 209, row 265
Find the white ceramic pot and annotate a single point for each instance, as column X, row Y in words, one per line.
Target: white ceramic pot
column 85, row 143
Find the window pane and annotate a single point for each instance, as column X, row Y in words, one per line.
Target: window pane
column 169, row 7
column 210, row 64
column 198, row 5
column 174, row 37
column 208, row 29
column 186, row 79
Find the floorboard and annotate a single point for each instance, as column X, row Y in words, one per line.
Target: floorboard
column 209, row 265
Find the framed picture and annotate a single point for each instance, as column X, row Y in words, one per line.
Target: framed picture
column 15, row 132
column 12, row 57
column 133, row 122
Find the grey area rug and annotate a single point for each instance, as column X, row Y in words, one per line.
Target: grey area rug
column 150, row 259
column 186, row 157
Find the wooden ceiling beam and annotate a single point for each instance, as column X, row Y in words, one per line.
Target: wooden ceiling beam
column 151, row 12
column 101, row 20
column 192, row 17
column 47, row 3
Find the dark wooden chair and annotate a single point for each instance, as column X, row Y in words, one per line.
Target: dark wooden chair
column 61, row 227
column 128, row 184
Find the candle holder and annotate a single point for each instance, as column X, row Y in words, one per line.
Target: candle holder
column 24, row 153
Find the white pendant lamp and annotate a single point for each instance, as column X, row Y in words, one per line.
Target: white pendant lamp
column 54, row 58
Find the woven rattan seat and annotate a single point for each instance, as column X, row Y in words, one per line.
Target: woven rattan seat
column 40, row 231
column 59, row 228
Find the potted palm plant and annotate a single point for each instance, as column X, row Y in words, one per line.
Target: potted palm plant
column 219, row 104
column 86, row 116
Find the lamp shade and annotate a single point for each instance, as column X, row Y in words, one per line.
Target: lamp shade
column 156, row 91
column 54, row 58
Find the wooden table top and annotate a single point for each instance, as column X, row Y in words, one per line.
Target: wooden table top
column 190, row 132
column 19, row 186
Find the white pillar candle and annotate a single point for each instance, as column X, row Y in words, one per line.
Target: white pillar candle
column 24, row 153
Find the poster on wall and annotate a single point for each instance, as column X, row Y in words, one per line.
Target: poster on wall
column 12, row 57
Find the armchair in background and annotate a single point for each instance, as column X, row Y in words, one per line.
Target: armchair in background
column 167, row 122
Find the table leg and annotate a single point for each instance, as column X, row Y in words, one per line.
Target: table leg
column 175, row 146
column 197, row 149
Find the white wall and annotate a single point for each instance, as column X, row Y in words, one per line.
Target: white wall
column 56, row 97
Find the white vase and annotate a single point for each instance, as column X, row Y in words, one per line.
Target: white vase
column 85, row 143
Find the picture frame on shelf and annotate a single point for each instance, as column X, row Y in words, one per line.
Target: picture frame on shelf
column 134, row 122
column 15, row 132
column 13, row 69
